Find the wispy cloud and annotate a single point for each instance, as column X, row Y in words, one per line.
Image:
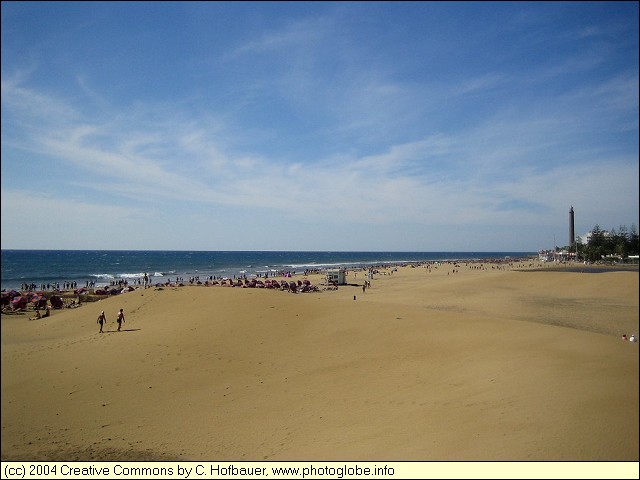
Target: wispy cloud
column 437, row 179
column 298, row 35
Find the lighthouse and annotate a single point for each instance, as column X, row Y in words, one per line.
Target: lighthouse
column 572, row 232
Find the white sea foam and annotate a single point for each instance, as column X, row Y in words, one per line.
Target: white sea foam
column 346, row 264
column 132, row 275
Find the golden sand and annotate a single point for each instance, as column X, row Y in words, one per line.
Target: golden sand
column 427, row 364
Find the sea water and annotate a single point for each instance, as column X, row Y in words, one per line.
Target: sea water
column 102, row 267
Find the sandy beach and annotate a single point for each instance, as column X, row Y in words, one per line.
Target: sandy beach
column 450, row 363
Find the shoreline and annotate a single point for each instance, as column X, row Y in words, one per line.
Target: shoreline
column 91, row 268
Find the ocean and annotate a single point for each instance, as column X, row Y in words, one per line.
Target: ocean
column 101, row 267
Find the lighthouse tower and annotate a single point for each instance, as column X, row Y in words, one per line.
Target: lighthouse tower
column 572, row 233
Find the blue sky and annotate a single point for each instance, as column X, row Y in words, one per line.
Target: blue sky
column 317, row 126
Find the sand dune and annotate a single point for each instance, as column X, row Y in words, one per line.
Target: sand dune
column 425, row 365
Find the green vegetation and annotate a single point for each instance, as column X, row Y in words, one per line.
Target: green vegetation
column 608, row 244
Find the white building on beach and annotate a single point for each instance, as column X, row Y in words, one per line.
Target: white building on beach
column 337, row 276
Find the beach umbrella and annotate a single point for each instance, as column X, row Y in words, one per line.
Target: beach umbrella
column 35, row 298
column 19, row 302
column 56, row 301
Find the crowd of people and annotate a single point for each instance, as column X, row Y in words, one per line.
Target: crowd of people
column 54, row 286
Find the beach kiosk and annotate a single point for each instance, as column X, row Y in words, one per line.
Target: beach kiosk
column 337, row 276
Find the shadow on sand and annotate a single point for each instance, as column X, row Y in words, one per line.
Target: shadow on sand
column 123, row 330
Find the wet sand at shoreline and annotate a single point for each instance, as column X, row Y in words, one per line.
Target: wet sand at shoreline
column 427, row 364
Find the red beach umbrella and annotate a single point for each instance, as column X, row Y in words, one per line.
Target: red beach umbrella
column 19, row 302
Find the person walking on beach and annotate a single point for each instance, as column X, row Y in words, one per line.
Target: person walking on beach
column 102, row 320
column 120, row 319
